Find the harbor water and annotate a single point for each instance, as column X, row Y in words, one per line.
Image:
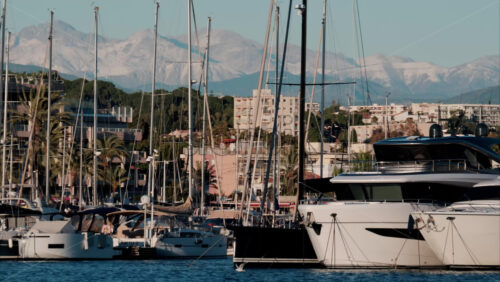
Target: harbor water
column 211, row 270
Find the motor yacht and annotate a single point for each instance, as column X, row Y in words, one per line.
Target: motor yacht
column 464, row 234
column 367, row 225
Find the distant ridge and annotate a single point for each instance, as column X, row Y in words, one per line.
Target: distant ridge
column 235, row 60
column 16, row 68
column 488, row 95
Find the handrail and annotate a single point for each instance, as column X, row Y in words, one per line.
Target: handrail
column 436, row 165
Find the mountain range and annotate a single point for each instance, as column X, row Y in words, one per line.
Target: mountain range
column 234, row 63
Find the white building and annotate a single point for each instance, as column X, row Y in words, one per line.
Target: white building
column 378, row 113
column 427, row 112
column 288, row 115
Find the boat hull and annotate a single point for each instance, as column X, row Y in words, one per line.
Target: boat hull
column 367, row 235
column 175, row 247
column 277, row 247
column 66, row 246
column 462, row 239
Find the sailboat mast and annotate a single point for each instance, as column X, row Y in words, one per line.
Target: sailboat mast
column 276, row 86
column 49, row 101
column 6, row 100
column 322, row 127
column 63, row 179
column 80, row 192
column 151, row 151
column 190, row 107
column 205, row 86
column 302, row 99
column 3, row 46
column 151, row 185
column 94, row 184
column 174, row 158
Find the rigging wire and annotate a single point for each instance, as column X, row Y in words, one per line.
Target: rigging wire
column 363, row 64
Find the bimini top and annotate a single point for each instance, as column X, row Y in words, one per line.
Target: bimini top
column 475, row 150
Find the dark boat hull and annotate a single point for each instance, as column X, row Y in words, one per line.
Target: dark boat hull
column 273, row 247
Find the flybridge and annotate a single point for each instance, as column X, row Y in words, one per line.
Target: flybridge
column 476, row 151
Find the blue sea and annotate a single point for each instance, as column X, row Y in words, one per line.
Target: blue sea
column 211, row 270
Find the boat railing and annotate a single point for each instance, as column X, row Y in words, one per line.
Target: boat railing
column 416, row 201
column 439, row 165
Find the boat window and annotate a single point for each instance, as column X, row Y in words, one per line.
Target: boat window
column 358, row 192
column 75, row 221
column 386, row 192
column 86, row 222
column 188, row 235
column 56, row 246
column 376, row 192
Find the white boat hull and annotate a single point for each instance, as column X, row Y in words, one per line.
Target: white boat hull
column 462, row 238
column 367, row 235
column 171, row 247
column 66, row 246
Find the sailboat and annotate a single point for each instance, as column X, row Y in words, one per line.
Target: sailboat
column 186, row 242
column 281, row 247
column 86, row 235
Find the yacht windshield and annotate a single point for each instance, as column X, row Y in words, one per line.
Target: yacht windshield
column 376, row 192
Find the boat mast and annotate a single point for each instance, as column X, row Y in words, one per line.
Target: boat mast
column 94, row 184
column 205, row 86
column 1, row 74
column 63, row 179
column 276, row 86
column 150, row 184
column 174, row 159
column 151, row 151
column 251, row 129
column 10, row 159
column 322, row 127
column 164, row 187
column 80, row 193
column 49, row 93
column 275, row 120
column 6, row 100
column 302, row 96
column 190, row 107
column 3, row 47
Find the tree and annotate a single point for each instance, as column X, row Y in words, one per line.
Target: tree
column 362, row 161
column 290, row 169
column 111, row 148
column 32, row 112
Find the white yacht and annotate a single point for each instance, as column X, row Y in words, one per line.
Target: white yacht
column 185, row 242
column 368, row 224
column 83, row 238
column 170, row 237
column 14, row 221
column 465, row 234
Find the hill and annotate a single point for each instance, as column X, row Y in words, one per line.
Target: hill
column 488, row 95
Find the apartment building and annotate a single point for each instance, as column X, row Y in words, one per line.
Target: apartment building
column 288, row 115
column 430, row 112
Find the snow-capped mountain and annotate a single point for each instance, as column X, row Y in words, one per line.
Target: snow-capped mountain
column 232, row 57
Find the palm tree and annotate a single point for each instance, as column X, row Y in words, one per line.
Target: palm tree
column 290, row 167
column 32, row 111
column 111, row 149
column 210, row 180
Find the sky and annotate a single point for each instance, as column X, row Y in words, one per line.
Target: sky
column 445, row 32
